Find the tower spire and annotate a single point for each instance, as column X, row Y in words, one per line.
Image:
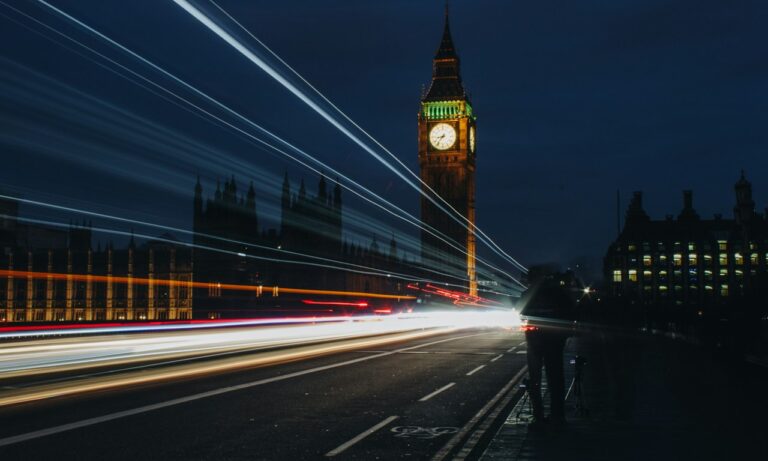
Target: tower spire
column 446, row 49
column 446, row 79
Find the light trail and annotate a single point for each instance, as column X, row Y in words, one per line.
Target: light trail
column 400, row 214
column 227, row 37
column 350, row 266
column 265, row 345
column 32, row 275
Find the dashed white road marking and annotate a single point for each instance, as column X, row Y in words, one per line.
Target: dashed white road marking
column 475, row 370
column 432, row 394
column 522, row 352
column 512, row 349
column 341, row 448
column 497, row 357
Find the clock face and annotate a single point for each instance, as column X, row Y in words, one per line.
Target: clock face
column 472, row 139
column 442, row 136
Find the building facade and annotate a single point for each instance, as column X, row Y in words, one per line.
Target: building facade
column 688, row 261
column 234, row 266
column 446, row 142
column 75, row 282
column 231, row 249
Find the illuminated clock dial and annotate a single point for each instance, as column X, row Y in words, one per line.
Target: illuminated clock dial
column 472, row 139
column 442, row 136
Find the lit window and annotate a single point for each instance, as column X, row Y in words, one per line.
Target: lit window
column 647, row 260
column 691, row 247
column 723, row 272
column 724, row 290
column 678, row 259
column 693, row 259
column 663, row 259
column 722, row 245
column 647, row 274
column 738, row 259
column 723, row 259
column 752, row 246
column 632, row 276
column 662, row 288
column 617, row 275
column 739, row 273
column 754, row 259
column 631, row 247
column 708, row 287
column 662, row 274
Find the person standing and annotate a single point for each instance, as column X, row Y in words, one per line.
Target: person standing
column 548, row 310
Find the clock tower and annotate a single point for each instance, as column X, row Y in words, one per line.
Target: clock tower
column 447, row 165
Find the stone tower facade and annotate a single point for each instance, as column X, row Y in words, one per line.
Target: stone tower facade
column 447, row 166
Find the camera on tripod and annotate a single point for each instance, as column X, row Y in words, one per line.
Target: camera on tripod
column 579, row 361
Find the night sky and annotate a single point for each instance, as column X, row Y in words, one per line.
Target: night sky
column 575, row 99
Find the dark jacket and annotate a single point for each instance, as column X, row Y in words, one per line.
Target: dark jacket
column 547, row 304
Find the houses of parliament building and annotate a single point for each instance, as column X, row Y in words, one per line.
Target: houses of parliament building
column 48, row 274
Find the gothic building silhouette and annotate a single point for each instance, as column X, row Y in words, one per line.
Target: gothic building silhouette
column 231, row 248
column 692, row 265
column 50, row 274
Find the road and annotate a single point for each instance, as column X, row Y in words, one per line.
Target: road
column 412, row 399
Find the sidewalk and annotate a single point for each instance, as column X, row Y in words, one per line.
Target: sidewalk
column 648, row 398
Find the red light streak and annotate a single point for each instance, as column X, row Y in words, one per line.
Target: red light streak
column 334, row 303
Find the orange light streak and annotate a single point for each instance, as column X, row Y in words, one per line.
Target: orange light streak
column 191, row 284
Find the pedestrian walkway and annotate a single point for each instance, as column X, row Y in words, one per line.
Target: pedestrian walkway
column 647, row 399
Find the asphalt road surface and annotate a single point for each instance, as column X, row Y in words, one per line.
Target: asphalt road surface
column 425, row 398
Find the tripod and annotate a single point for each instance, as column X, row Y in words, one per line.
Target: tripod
column 580, row 407
column 525, row 404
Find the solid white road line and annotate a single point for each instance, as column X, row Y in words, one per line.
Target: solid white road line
column 440, row 455
column 522, row 352
column 475, row 370
column 497, row 357
column 190, row 398
column 483, row 427
column 429, row 396
column 341, row 448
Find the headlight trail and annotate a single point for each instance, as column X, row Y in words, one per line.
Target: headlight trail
column 370, row 198
column 263, row 345
column 245, row 51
